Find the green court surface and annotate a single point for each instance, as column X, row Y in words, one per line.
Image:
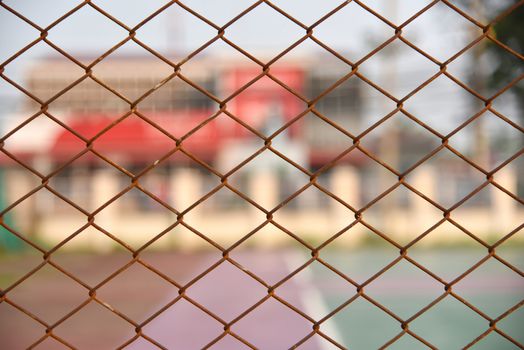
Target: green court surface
column 493, row 288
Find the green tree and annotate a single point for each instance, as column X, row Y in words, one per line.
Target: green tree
column 507, row 67
column 510, row 31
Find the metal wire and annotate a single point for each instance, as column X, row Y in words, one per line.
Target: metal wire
column 265, row 71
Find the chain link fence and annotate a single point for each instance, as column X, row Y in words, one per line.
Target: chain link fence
column 177, row 68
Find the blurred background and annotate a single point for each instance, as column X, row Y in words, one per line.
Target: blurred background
column 132, row 190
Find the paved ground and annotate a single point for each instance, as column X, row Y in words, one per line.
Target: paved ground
column 227, row 291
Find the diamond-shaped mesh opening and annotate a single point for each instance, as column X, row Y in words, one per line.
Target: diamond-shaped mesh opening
column 47, row 137
column 223, row 201
column 456, row 252
column 40, row 86
column 432, row 106
column 82, row 36
column 219, row 79
column 77, row 257
column 492, row 233
column 124, row 74
column 137, row 280
column 16, row 105
column 504, row 140
column 444, row 39
column 354, row 329
column 266, row 174
column 12, row 270
column 268, row 262
column 416, row 290
column 290, row 178
column 62, row 296
column 308, row 200
column 244, row 33
column 16, row 42
column 227, row 303
column 86, row 98
column 266, row 106
column 409, row 225
column 451, row 178
column 13, row 321
column 347, row 256
column 135, row 233
column 88, row 174
column 504, row 282
column 451, row 317
column 491, row 59
column 391, row 66
column 171, row 329
column 341, row 106
column 93, row 318
column 29, row 218
column 378, row 107
column 317, row 306
column 400, row 142
column 261, row 321
column 181, row 267
column 353, row 18
column 118, row 143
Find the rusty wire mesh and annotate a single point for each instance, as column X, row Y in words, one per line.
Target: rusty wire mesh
column 309, row 106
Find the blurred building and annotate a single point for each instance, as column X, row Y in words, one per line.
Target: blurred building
column 183, row 110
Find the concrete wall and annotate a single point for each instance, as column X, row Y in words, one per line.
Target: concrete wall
column 228, row 225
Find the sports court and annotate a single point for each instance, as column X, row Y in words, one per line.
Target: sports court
column 227, row 293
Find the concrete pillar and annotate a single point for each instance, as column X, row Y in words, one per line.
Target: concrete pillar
column 185, row 189
column 264, row 189
column 104, row 182
column 421, row 215
column 17, row 184
column 79, row 186
column 345, row 184
column 503, row 207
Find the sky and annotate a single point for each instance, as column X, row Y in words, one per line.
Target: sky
column 352, row 30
